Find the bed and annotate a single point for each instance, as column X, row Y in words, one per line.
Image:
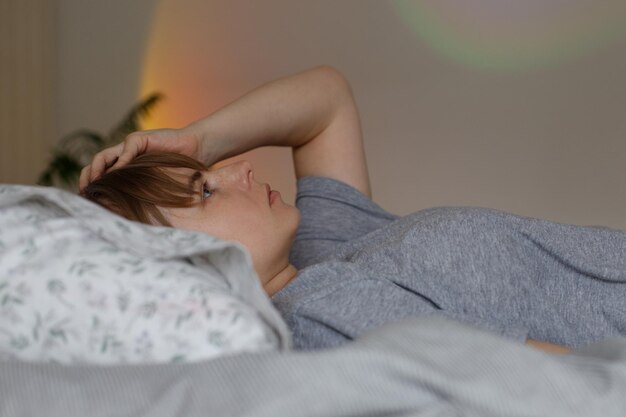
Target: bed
column 103, row 316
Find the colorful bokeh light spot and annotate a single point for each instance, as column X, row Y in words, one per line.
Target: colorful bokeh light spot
column 513, row 34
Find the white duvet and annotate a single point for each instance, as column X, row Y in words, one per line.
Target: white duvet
column 81, row 284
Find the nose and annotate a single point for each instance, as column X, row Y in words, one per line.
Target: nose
column 241, row 173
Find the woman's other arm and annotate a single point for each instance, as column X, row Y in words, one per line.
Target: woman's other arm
column 313, row 112
column 547, row 347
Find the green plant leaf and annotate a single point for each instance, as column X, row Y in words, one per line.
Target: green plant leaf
column 130, row 123
column 82, row 144
column 65, row 168
column 69, row 169
column 78, row 148
column 45, row 178
column 81, row 138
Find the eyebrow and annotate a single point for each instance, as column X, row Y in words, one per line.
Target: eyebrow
column 194, row 179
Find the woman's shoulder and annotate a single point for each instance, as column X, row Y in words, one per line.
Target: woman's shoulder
column 332, row 189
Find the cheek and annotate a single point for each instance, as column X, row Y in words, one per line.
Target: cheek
column 199, row 223
column 231, row 225
column 189, row 225
column 251, row 229
column 241, row 220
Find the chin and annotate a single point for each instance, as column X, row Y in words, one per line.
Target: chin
column 296, row 214
column 291, row 223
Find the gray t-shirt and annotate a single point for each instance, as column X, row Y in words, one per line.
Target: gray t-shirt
column 361, row 267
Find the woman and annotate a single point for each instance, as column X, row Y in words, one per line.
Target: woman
column 342, row 265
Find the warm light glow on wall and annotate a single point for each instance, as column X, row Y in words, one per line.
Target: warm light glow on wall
column 513, row 34
column 186, row 62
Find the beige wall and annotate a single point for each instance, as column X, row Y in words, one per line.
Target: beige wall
column 546, row 141
column 27, row 57
column 101, row 46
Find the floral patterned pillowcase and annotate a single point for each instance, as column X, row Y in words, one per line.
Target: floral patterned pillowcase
column 81, row 285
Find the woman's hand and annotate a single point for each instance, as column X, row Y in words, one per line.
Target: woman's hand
column 548, row 347
column 184, row 141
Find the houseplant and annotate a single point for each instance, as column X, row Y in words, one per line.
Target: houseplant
column 77, row 149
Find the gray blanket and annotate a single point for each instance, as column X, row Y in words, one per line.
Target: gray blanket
column 422, row 367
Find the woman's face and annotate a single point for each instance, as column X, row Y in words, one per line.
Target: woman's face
column 232, row 205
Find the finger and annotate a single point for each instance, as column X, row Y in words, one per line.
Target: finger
column 135, row 144
column 102, row 160
column 83, row 181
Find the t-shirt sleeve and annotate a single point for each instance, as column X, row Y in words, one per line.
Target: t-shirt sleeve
column 331, row 212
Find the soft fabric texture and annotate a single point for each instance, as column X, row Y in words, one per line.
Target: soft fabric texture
column 361, row 267
column 79, row 284
column 424, row 367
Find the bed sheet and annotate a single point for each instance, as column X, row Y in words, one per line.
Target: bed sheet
column 420, row 367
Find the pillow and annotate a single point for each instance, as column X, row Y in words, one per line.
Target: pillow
column 79, row 284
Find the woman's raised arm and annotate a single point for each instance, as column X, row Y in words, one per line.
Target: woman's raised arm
column 313, row 112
